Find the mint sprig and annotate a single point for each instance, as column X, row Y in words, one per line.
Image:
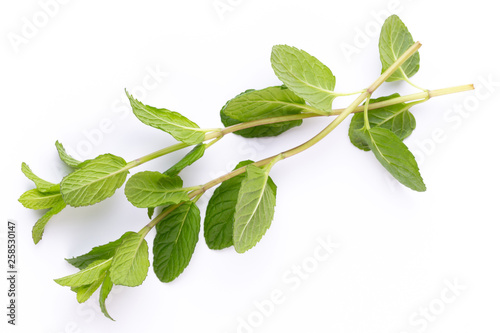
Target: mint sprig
column 241, row 209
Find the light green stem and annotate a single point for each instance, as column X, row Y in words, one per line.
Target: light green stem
column 367, row 121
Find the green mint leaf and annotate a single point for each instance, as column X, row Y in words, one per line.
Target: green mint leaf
column 254, row 210
column 101, row 252
column 397, row 118
column 86, row 276
column 261, row 131
column 34, row 199
column 265, row 103
column 194, row 155
column 106, row 287
column 393, row 154
column 260, row 104
column 65, row 157
column 39, row 226
column 219, row 217
column 83, row 293
column 41, row 185
column 181, row 128
column 305, row 75
column 176, row 238
column 130, row 263
column 95, row 181
column 152, row 189
column 395, row 39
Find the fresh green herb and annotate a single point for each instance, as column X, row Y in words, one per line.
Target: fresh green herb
column 242, row 207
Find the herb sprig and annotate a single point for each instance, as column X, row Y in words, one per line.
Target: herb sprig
column 242, row 208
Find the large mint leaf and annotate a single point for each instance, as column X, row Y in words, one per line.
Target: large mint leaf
column 397, row 118
column 267, row 104
column 261, row 131
column 152, row 189
column 97, row 180
column 254, row 210
column 176, row 238
column 395, row 39
column 305, row 75
column 181, row 128
column 219, row 217
column 393, row 154
column 130, row 262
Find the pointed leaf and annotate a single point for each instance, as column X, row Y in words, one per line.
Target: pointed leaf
column 261, row 104
column 397, row 118
column 181, row 128
column 83, row 293
column 254, row 209
column 305, row 75
column 97, row 180
column 65, row 157
column 101, row 252
column 152, row 189
column 265, row 103
column 176, row 238
column 194, row 155
column 219, row 217
column 34, row 199
column 106, row 287
column 130, row 262
column 86, row 276
column 393, row 154
column 395, row 39
column 39, row 226
column 261, row 131
column 41, row 185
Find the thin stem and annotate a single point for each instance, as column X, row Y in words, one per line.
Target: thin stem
column 211, row 143
column 367, row 121
column 413, row 84
column 147, row 228
column 336, row 94
column 401, row 60
column 156, row 154
column 335, row 112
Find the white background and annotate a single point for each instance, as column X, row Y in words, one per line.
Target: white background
column 398, row 250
